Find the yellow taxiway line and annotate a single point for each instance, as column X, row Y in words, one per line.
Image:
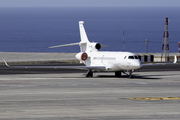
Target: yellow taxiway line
column 155, row 98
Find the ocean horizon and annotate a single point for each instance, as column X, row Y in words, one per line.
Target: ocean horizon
column 36, row 29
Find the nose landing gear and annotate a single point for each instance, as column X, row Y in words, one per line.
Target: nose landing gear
column 89, row 73
column 130, row 74
column 118, row 73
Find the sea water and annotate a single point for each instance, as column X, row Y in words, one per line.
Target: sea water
column 36, row 29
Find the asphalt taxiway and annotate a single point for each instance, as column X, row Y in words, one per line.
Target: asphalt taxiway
column 67, row 95
column 8, row 70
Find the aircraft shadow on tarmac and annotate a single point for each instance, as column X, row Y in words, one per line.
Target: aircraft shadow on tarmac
column 125, row 76
column 5, row 70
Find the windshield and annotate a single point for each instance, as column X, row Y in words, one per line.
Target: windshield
column 133, row 57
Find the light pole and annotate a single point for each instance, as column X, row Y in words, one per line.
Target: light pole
column 146, row 41
column 123, row 37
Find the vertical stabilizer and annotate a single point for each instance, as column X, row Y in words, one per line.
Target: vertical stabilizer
column 84, row 38
column 83, row 35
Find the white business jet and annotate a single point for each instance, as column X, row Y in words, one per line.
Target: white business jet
column 100, row 61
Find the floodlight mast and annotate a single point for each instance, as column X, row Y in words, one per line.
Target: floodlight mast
column 165, row 45
column 123, row 37
column 146, row 41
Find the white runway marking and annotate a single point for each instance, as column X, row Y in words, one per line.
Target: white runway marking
column 142, row 83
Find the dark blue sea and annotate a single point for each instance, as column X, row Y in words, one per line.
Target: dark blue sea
column 35, row 29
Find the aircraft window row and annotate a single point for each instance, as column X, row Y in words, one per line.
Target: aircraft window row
column 131, row 57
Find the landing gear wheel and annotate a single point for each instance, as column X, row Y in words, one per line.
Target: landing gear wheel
column 89, row 74
column 118, row 74
column 130, row 74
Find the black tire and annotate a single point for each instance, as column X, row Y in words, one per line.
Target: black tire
column 118, row 74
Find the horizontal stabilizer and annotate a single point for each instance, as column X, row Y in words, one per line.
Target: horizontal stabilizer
column 71, row 44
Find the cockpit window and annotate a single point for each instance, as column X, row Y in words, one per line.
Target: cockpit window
column 125, row 57
column 131, row 57
column 136, row 57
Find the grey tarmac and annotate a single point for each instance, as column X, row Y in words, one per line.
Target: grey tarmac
column 71, row 96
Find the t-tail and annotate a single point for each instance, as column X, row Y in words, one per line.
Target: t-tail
column 85, row 45
column 84, row 39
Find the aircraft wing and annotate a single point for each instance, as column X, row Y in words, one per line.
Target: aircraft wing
column 56, row 67
column 151, row 64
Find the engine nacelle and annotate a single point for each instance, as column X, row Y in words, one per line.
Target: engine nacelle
column 94, row 46
column 82, row 56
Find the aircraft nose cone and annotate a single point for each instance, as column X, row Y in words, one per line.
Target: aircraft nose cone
column 137, row 65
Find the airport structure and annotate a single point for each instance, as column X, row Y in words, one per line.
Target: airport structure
column 123, row 38
column 165, row 45
column 179, row 50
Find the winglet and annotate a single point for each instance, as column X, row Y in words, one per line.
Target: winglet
column 6, row 63
column 175, row 59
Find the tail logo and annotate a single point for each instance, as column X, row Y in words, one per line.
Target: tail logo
column 84, row 56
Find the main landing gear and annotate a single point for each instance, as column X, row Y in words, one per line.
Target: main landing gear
column 89, row 73
column 118, row 73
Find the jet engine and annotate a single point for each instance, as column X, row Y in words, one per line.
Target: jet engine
column 82, row 56
column 94, row 46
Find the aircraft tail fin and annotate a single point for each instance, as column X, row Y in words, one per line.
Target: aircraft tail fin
column 84, row 39
column 83, row 34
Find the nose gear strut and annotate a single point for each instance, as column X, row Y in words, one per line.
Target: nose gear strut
column 89, row 73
